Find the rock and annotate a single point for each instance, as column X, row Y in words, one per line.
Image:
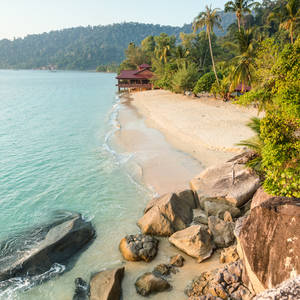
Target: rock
column 206, row 297
column 188, row 197
column 165, row 215
column 194, row 241
column 162, row 270
column 81, row 290
column 259, row 197
column 227, row 216
column 148, row 284
column 224, row 283
column 288, row 290
column 272, row 255
column 244, row 157
column 107, row 285
column 177, row 260
column 35, row 251
column 199, row 217
column 221, row 231
column 229, row 255
column 218, row 208
column 138, row 247
column 230, row 181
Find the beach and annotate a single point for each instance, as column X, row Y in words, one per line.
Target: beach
column 175, row 137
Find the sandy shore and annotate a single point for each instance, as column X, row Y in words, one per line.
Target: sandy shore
column 206, row 128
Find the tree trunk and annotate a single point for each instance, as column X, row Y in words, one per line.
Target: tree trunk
column 292, row 38
column 239, row 22
column 212, row 58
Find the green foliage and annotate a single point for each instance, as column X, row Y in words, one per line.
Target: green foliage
column 111, row 68
column 205, row 82
column 222, row 89
column 185, row 78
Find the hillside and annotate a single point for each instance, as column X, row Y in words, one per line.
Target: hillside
column 83, row 48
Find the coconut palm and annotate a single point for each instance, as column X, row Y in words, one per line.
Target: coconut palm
column 240, row 7
column 293, row 17
column 208, row 19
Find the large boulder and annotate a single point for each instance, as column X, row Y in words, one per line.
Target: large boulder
column 166, row 215
column 222, row 231
column 269, row 243
column 229, row 181
column 194, row 241
column 138, row 247
column 107, row 285
column 217, row 208
column 288, row 290
column 35, row 251
column 259, row 197
column 148, row 284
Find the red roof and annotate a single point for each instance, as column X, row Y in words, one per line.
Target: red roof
column 144, row 66
column 134, row 74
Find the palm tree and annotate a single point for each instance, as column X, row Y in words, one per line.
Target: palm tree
column 293, row 17
column 208, row 19
column 245, row 67
column 240, row 7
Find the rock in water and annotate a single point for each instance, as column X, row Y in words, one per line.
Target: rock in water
column 166, row 215
column 34, row 252
column 231, row 182
column 107, row 285
column 148, row 284
column 194, row 241
column 269, row 243
column 138, row 247
column 81, row 290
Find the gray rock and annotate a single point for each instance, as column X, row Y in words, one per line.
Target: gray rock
column 288, row 290
column 35, row 251
column 221, row 231
column 81, row 290
column 138, row 247
column 218, row 208
column 230, row 181
column 107, row 285
column 188, row 197
column 148, row 284
column 194, row 241
column 165, row 215
column 200, row 217
column 162, row 270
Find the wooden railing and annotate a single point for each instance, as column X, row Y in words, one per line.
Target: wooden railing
column 135, row 85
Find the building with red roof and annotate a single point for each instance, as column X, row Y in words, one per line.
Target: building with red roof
column 136, row 79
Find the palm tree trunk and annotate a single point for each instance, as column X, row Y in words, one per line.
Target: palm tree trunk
column 212, row 58
column 292, row 38
column 239, row 22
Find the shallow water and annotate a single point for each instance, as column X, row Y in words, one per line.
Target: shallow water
column 55, row 129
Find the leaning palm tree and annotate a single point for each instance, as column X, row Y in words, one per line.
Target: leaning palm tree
column 208, row 19
column 293, row 17
column 240, row 7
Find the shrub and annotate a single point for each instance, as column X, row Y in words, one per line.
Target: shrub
column 205, row 83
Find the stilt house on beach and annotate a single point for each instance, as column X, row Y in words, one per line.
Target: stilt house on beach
column 136, row 79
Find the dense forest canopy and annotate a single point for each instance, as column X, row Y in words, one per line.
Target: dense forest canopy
column 83, row 48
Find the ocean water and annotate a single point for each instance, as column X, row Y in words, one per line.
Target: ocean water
column 55, row 154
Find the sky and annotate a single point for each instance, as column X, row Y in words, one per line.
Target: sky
column 21, row 17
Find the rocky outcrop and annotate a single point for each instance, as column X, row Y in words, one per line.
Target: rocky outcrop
column 166, row 215
column 81, row 290
column 107, row 285
column 231, row 181
column 288, row 290
column 225, row 283
column 229, row 255
column 269, row 244
column 177, row 260
column 194, row 241
column 34, row 252
column 148, row 284
column 138, row 247
column 259, row 197
column 221, row 231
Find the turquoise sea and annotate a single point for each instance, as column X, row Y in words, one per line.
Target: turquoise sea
column 55, row 154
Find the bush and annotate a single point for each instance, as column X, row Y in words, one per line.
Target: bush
column 185, row 78
column 205, row 83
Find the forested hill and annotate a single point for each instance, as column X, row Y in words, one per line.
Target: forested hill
column 83, row 48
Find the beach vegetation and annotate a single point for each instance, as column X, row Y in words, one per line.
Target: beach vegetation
column 206, row 81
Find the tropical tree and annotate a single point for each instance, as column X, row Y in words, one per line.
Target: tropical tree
column 208, row 19
column 240, row 7
column 164, row 46
column 293, row 17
